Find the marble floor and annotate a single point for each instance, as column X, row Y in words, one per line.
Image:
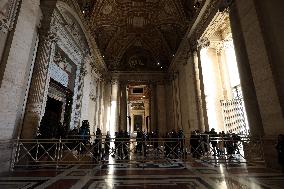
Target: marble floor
column 171, row 174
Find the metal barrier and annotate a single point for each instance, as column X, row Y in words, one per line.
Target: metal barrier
column 77, row 151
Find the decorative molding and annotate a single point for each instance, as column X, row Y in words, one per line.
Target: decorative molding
column 83, row 71
column 8, row 13
column 93, row 96
column 66, row 42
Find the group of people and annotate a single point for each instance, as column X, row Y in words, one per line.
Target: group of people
column 218, row 143
column 144, row 144
column 172, row 144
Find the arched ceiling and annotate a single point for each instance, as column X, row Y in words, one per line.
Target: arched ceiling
column 138, row 34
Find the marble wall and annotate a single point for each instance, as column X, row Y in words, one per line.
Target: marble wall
column 16, row 86
column 15, row 74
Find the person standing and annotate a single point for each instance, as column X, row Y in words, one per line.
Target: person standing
column 280, row 150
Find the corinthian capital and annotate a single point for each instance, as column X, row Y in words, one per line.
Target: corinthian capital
column 225, row 5
column 52, row 37
column 48, row 36
column 203, row 43
column 4, row 25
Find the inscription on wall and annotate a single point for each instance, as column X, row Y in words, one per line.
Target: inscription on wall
column 58, row 74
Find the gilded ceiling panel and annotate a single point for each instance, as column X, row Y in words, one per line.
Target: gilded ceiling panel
column 138, row 34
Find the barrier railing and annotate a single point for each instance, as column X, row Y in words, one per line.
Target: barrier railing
column 80, row 151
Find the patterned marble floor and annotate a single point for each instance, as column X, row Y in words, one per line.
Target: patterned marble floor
column 173, row 174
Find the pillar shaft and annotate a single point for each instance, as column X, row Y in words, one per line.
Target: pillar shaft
column 205, row 125
column 247, row 83
column 123, row 107
column 39, row 86
column 114, row 121
column 153, row 106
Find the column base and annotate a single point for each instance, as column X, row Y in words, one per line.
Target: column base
column 5, row 156
column 270, row 152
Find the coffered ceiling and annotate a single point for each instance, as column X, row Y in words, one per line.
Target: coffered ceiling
column 138, row 34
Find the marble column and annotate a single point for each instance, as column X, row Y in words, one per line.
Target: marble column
column 99, row 103
column 213, row 90
column 147, row 114
column 123, row 107
column 175, row 103
column 39, row 85
column 15, row 66
column 247, row 83
column 201, row 125
column 205, row 125
column 161, row 107
column 114, row 121
column 101, row 113
column 80, row 93
column 73, row 122
column 106, row 114
column 224, row 73
column 153, row 107
column 178, row 102
column 262, row 100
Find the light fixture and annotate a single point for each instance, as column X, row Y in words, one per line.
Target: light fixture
column 144, row 96
column 83, row 12
column 161, row 67
column 158, row 63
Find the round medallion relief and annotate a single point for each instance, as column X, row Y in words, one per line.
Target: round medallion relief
column 107, row 9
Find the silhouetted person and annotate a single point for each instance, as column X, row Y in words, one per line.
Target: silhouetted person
column 139, row 141
column 98, row 145
column 280, row 150
column 107, row 145
column 213, row 140
column 194, row 143
column 126, row 141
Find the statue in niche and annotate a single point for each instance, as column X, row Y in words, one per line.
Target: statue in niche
column 4, row 8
